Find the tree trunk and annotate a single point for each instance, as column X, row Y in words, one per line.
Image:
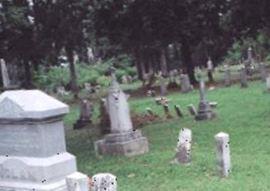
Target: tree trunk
column 27, row 75
column 189, row 66
column 163, row 62
column 72, row 70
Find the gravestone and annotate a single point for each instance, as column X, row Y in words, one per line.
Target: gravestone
column 192, row 110
column 268, row 83
column 227, row 76
column 85, row 115
column 104, row 181
column 122, row 140
column 178, row 111
column 243, row 78
column 223, row 154
column 77, row 182
column 5, row 75
column 185, row 83
column 183, row 150
column 167, row 111
column 32, row 142
column 263, row 71
column 204, row 111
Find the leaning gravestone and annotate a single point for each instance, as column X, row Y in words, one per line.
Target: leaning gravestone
column 32, row 142
column 183, row 150
column 204, row 111
column 85, row 115
column 104, row 181
column 185, row 83
column 122, row 140
column 192, row 110
column 223, row 154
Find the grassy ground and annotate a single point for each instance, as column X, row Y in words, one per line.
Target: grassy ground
column 243, row 113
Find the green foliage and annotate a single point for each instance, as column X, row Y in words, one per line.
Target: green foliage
column 96, row 74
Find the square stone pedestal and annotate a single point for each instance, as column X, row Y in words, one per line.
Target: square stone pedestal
column 205, row 112
column 129, row 143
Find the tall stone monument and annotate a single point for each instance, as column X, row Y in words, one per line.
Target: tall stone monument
column 122, row 140
column 32, row 143
column 205, row 111
column 85, row 115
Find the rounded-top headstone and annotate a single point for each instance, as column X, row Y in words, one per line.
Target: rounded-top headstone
column 30, row 104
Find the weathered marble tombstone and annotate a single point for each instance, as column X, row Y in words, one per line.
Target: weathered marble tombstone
column 263, row 71
column 183, row 150
column 5, row 75
column 205, row 111
column 167, row 111
column 178, row 111
column 243, row 78
column 223, row 154
column 104, row 181
column 185, row 83
column 227, row 76
column 32, row 142
column 85, row 115
column 192, row 110
column 249, row 62
column 77, row 182
column 122, row 140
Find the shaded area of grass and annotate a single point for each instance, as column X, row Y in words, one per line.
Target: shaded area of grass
column 243, row 113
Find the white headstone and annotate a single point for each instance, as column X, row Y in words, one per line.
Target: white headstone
column 268, row 83
column 183, row 155
column 118, row 109
column 77, row 182
column 104, row 181
column 223, row 154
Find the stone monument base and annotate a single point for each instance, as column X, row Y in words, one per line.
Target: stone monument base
column 205, row 112
column 128, row 144
column 36, row 174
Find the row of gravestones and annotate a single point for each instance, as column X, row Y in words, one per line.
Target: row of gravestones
column 183, row 151
column 32, row 143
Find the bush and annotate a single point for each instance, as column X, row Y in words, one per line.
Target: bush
column 95, row 74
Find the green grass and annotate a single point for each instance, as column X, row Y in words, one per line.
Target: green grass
column 243, row 113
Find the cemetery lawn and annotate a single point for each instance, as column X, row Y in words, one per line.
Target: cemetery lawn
column 243, row 113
